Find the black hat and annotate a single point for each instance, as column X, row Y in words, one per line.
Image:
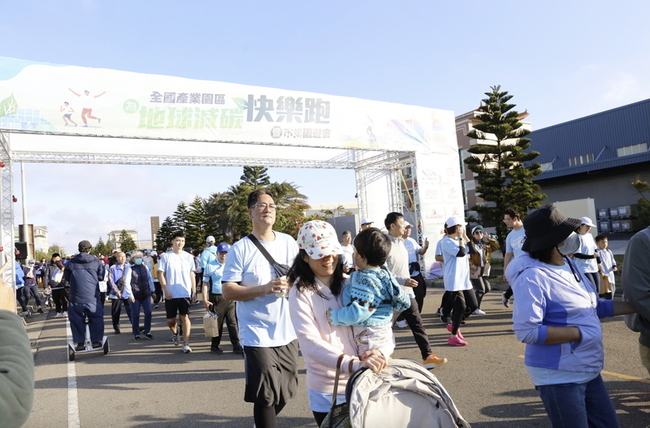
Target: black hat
column 84, row 246
column 547, row 227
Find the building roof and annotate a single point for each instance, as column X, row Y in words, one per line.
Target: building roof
column 598, row 135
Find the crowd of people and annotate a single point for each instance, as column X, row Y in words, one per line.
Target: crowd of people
column 338, row 301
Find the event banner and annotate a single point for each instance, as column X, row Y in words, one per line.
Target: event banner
column 69, row 100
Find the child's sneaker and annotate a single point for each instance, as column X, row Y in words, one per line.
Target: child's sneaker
column 432, row 362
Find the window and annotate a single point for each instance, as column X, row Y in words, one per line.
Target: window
column 547, row 166
column 579, row 160
column 632, row 150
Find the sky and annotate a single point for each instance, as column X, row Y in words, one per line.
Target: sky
column 560, row 60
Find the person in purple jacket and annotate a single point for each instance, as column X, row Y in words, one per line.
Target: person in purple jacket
column 557, row 315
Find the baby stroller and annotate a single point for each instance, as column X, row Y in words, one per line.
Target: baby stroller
column 403, row 395
column 88, row 345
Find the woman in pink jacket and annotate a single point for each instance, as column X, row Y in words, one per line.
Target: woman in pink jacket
column 318, row 279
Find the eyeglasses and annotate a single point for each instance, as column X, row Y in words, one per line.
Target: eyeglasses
column 478, row 232
column 262, row 206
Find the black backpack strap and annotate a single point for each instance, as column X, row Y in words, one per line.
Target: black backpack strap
column 262, row 249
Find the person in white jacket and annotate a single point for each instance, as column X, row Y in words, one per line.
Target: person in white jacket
column 318, row 282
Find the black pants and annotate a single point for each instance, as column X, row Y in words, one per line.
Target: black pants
column 414, row 321
column 61, row 298
column 420, row 292
column 481, row 288
column 594, row 277
column 116, row 310
column 158, row 288
column 463, row 304
column 226, row 311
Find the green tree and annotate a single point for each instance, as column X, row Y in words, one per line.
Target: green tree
column 291, row 207
column 255, row 176
column 126, row 242
column 197, row 224
column 56, row 249
column 102, row 248
column 643, row 204
column 179, row 218
column 501, row 162
column 228, row 212
column 164, row 234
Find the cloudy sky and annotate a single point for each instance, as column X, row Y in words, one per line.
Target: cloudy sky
column 561, row 61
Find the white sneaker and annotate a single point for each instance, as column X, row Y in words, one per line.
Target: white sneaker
column 65, row 314
column 58, row 315
column 186, row 348
column 478, row 311
column 401, row 324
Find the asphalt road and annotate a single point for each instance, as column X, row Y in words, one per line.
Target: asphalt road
column 152, row 383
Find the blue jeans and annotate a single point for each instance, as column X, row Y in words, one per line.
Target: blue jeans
column 579, row 405
column 77, row 313
column 135, row 315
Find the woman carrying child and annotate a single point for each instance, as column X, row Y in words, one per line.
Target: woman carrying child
column 318, row 281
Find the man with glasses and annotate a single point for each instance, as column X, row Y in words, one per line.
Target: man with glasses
column 265, row 329
column 514, row 242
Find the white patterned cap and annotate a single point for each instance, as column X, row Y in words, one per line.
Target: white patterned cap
column 318, row 239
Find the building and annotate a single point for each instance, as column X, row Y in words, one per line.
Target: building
column 598, row 157
column 335, row 209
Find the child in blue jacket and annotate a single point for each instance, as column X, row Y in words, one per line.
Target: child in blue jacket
column 372, row 296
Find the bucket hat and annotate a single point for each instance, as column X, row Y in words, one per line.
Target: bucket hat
column 318, row 239
column 547, row 227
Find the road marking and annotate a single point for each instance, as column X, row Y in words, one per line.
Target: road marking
column 622, row 376
column 73, row 399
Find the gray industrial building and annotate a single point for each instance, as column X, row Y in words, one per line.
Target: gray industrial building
column 598, row 157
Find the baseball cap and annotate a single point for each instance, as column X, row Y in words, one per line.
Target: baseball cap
column 222, row 247
column 587, row 221
column 407, row 224
column 31, row 261
column 318, row 239
column 454, row 221
column 475, row 228
column 210, row 239
column 84, row 246
column 365, row 221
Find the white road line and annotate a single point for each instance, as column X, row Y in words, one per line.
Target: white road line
column 73, row 399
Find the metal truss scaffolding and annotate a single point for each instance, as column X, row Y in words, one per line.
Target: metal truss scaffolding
column 7, row 208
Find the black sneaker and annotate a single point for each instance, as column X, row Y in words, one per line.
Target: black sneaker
column 148, row 336
column 444, row 319
column 238, row 350
column 137, row 337
column 97, row 344
column 117, row 330
column 217, row 350
column 80, row 346
column 40, row 310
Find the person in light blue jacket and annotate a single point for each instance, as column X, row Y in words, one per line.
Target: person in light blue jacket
column 557, row 314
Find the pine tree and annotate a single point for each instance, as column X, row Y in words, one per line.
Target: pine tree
column 126, row 242
column 255, row 176
column 643, row 205
column 164, row 234
column 197, row 222
column 179, row 218
column 501, row 162
column 102, row 248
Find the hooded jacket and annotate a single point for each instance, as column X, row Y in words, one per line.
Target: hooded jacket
column 83, row 272
column 543, row 299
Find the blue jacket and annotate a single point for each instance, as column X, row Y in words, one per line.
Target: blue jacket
column 83, row 272
column 20, row 275
column 370, row 299
column 543, row 299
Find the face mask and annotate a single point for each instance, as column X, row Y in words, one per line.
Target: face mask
column 571, row 244
column 138, row 261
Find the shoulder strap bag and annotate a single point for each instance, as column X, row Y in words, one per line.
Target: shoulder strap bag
column 280, row 269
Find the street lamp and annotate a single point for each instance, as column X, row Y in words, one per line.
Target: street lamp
column 137, row 237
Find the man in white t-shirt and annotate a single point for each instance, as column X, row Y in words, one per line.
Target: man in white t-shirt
column 178, row 282
column 265, row 328
column 514, row 241
column 348, row 252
